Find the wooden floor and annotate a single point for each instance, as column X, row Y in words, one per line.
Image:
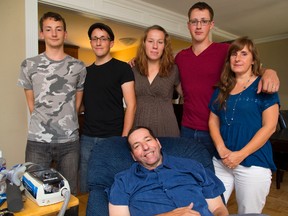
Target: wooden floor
column 276, row 204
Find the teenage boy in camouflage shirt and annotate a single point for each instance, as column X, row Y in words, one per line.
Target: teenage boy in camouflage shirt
column 53, row 85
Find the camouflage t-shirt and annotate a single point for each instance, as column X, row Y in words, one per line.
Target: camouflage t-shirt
column 54, row 84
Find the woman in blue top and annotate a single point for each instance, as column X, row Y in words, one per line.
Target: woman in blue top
column 241, row 122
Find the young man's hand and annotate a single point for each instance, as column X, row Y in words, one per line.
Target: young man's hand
column 269, row 82
column 132, row 62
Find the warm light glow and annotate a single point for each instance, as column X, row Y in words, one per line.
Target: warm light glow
column 128, row 41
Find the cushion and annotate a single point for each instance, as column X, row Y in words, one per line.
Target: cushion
column 112, row 155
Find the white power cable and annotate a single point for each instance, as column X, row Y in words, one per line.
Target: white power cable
column 66, row 194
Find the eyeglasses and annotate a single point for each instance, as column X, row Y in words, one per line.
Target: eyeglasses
column 203, row 22
column 102, row 39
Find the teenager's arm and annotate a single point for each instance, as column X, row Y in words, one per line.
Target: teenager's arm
column 269, row 82
column 130, row 101
column 30, row 99
column 79, row 96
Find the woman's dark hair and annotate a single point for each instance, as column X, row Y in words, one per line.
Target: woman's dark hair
column 227, row 79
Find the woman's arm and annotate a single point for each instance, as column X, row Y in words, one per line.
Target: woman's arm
column 269, row 123
column 214, row 128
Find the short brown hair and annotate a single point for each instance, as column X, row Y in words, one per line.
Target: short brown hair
column 55, row 16
column 137, row 128
column 202, row 6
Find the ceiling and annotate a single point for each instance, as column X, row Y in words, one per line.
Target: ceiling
column 258, row 19
column 261, row 20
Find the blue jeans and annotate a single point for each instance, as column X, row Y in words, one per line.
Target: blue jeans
column 65, row 156
column 86, row 146
column 201, row 137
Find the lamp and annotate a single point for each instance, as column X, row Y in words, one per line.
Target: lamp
column 127, row 41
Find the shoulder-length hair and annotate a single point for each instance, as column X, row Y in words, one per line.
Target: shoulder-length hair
column 227, row 79
column 166, row 60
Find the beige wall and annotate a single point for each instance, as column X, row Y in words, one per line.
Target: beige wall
column 125, row 55
column 13, row 112
column 274, row 55
column 86, row 55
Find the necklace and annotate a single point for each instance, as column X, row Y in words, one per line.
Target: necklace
column 234, row 106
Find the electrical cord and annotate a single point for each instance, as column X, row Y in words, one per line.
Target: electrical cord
column 66, row 194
